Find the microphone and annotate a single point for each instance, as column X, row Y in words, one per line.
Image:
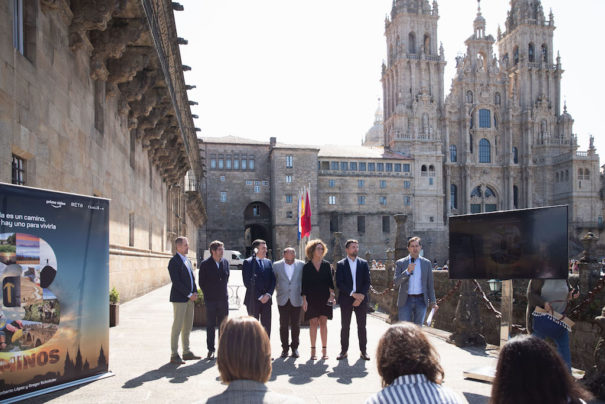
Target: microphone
column 413, row 259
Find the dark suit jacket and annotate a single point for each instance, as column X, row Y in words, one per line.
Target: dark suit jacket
column 181, row 282
column 264, row 282
column 344, row 280
column 213, row 281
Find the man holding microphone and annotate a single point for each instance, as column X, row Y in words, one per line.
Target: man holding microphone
column 414, row 278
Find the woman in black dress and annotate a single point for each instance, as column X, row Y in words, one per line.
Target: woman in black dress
column 318, row 293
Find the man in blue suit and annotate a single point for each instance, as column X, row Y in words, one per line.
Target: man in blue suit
column 353, row 282
column 414, row 278
column 182, row 295
column 259, row 280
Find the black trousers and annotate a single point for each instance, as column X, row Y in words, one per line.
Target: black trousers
column 289, row 316
column 262, row 312
column 216, row 312
column 346, row 312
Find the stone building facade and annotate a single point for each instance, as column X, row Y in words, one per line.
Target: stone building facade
column 498, row 141
column 93, row 101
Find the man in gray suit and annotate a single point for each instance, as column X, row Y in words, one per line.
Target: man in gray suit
column 416, row 287
column 288, row 278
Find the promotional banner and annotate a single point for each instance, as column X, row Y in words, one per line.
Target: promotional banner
column 54, row 272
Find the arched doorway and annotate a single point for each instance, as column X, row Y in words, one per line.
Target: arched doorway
column 257, row 221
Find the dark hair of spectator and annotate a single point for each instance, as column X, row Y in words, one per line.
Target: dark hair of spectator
column 350, row 241
column 404, row 350
column 244, row 351
column 411, row 240
column 215, row 245
column 258, row 242
column 312, row 245
column 529, row 371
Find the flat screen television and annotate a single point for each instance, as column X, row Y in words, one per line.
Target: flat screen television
column 513, row 244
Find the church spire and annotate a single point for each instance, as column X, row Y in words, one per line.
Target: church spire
column 479, row 23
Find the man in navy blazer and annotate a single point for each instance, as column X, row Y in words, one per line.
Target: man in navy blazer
column 414, row 278
column 353, row 282
column 213, row 278
column 182, row 295
column 259, row 280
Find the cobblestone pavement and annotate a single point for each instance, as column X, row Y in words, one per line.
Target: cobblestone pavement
column 139, row 354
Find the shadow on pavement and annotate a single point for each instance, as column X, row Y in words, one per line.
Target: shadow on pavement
column 176, row 374
column 283, row 366
column 345, row 373
column 309, row 370
column 473, row 398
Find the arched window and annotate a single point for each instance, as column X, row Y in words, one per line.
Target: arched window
column 485, row 118
column 515, row 197
column 530, row 53
column 453, row 196
column 423, row 171
column 515, row 155
column 476, row 192
column 412, row 43
column 431, row 170
column 469, row 97
column 489, row 192
column 427, row 44
column 544, row 53
column 516, row 55
column 484, row 151
column 497, row 99
column 453, row 153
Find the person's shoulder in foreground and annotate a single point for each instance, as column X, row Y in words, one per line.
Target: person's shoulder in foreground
column 415, row 389
column 251, row 392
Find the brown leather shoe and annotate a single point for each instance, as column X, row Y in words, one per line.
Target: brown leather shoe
column 189, row 356
column 364, row 356
column 176, row 360
column 342, row 355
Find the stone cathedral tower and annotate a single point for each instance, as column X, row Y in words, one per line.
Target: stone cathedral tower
column 412, row 80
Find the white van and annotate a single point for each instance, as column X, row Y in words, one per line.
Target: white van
column 235, row 258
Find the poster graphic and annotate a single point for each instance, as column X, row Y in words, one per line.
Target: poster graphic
column 54, row 273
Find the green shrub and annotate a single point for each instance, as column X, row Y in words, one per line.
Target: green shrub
column 114, row 296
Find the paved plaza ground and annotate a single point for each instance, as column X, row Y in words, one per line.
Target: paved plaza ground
column 139, row 355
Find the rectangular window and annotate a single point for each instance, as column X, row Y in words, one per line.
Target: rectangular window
column 222, row 178
column 289, row 161
column 379, row 166
column 221, row 161
column 485, row 120
column 332, row 183
column 333, row 223
column 334, row 165
column 257, row 189
column 213, row 161
column 256, row 182
column 236, row 161
column 288, row 179
column 228, row 162
column 255, row 210
column 361, row 200
column 406, row 168
column 332, row 200
column 406, row 184
column 397, row 167
column 251, row 164
column 18, row 171
column 430, row 181
column 475, row 208
column 325, row 165
column 386, row 224
column 353, row 166
column 389, row 167
column 344, row 166
column 265, row 183
column 361, row 224
column 244, row 163
column 362, row 166
column 18, row 25
column 360, row 183
column 223, row 196
column 407, row 201
column 24, row 28
column 249, row 182
column 383, row 183
column 289, row 214
column 490, row 207
column 371, row 166
column 131, row 229
column 289, row 198
column 383, row 200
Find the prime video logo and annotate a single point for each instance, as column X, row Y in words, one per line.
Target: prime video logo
column 55, row 204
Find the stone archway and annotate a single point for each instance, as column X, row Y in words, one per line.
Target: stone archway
column 257, row 222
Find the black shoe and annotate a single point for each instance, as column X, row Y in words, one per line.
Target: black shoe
column 364, row 356
column 284, row 353
column 189, row 356
column 295, row 353
column 177, row 360
column 210, row 355
column 342, row 355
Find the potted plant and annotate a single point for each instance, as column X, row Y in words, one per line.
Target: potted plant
column 199, row 311
column 114, row 307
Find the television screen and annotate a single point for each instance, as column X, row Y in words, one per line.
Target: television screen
column 514, row 244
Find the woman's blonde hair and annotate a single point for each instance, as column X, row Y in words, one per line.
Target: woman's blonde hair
column 244, row 351
column 312, row 245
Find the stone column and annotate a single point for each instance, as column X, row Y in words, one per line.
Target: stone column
column 467, row 322
column 588, row 266
column 337, row 253
column 390, row 272
column 595, row 376
column 401, row 240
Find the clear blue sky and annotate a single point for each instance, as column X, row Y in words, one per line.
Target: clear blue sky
column 309, row 71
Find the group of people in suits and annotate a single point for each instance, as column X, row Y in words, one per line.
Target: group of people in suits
column 310, row 287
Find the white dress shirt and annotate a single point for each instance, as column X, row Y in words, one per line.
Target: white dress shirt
column 190, row 270
column 289, row 270
column 353, row 266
